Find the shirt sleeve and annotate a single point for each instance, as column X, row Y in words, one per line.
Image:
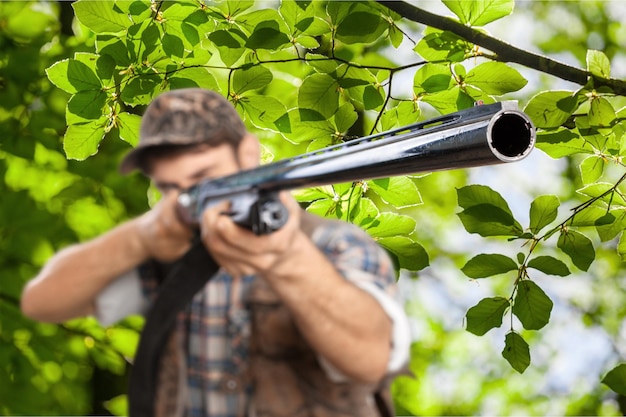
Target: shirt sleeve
column 121, row 298
column 363, row 262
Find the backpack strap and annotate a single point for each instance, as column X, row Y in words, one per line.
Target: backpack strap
column 186, row 278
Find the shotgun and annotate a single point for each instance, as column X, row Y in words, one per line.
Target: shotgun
column 481, row 135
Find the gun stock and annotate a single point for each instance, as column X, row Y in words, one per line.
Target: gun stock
column 482, row 135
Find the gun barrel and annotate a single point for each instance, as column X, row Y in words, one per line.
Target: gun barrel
column 483, row 135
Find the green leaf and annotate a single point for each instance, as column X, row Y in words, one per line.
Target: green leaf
column 549, row 109
column 345, row 117
column 486, row 212
column 82, row 140
column 399, row 191
column 495, row 77
column 549, row 265
column 73, row 76
column 487, row 265
column 118, row 406
column 112, row 46
column 621, row 247
column 102, row 65
column 129, row 127
column 532, row 306
column 473, row 195
column 251, row 78
column 562, row 142
column 141, row 90
column 437, row 45
column 85, row 106
column 123, row 340
column 588, row 217
column 486, row 315
column 611, row 224
column 404, row 114
column 543, row 211
column 480, row 12
column 616, row 379
column 489, row 220
column 604, row 189
column 360, row 27
column 230, row 45
column 395, row 36
column 365, row 213
column 373, row 97
column 410, row 254
column 319, row 92
column 592, row 168
column 193, row 77
column 432, row 78
column 267, row 35
column 101, row 16
column 263, row 111
column 601, row 113
column 516, row 352
column 391, row 224
column 598, row 64
column 449, row 101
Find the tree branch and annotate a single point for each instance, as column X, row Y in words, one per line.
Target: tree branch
column 505, row 52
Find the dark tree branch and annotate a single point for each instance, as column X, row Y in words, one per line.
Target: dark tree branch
column 504, row 52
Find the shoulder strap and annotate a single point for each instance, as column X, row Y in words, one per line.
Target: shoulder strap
column 186, row 278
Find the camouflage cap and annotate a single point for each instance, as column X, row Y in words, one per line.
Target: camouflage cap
column 185, row 117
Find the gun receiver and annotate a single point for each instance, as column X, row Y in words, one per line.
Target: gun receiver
column 482, row 135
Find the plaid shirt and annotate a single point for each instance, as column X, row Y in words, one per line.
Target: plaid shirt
column 213, row 332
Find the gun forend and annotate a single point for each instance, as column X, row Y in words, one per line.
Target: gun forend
column 482, row 135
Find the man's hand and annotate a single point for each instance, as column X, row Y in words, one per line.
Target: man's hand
column 239, row 251
column 161, row 231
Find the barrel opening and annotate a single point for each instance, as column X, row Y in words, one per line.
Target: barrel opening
column 512, row 135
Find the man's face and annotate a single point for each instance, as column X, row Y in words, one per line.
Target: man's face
column 179, row 172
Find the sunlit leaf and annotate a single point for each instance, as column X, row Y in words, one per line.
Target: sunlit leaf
column 543, row 211
column 85, row 106
column 361, row 26
column 101, row 16
column 592, row 168
column 437, row 45
column 82, row 140
column 264, row 111
column 73, row 76
column 267, row 35
column 410, row 254
column 399, row 191
column 598, row 63
column 251, row 78
column 601, row 112
column 562, row 142
column 495, row 78
column 129, row 127
column 480, row 12
column 319, row 92
column 550, row 109
column 391, row 224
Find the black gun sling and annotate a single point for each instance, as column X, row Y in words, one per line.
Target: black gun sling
column 186, row 278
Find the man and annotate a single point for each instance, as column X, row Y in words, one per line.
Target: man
column 296, row 322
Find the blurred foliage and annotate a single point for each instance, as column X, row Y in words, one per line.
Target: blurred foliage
column 305, row 75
